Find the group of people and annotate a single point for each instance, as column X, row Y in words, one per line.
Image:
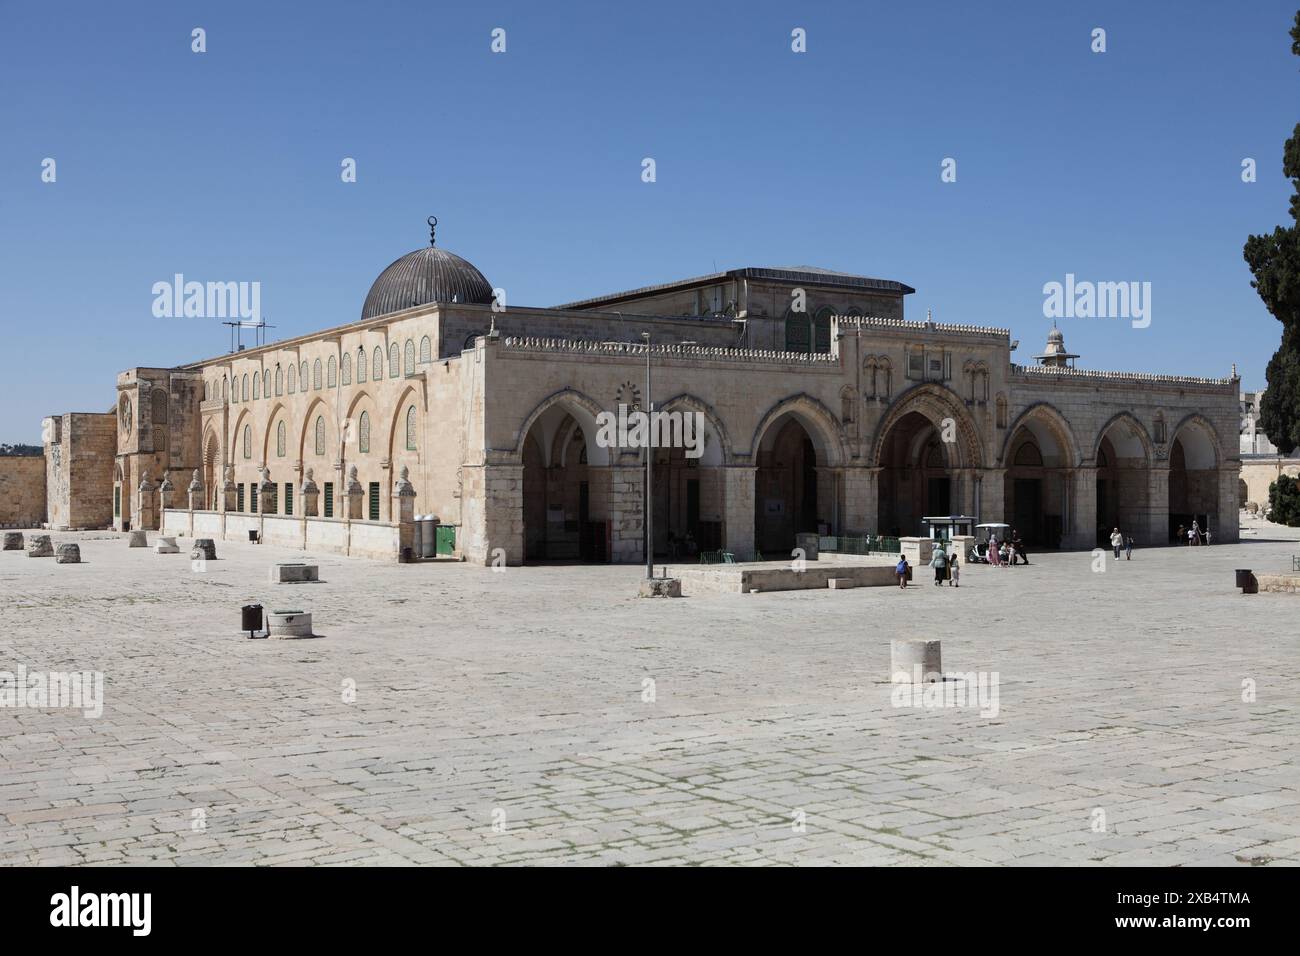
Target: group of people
column 946, row 568
column 1193, row 534
column 1007, row 551
column 1119, row 541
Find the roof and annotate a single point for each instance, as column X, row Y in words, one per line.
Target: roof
column 809, row 275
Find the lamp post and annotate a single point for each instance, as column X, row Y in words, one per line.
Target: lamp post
column 648, row 507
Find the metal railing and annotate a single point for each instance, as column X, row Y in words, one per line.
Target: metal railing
column 865, row 544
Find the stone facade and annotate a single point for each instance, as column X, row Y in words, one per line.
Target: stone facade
column 22, row 491
column 79, row 455
column 824, row 410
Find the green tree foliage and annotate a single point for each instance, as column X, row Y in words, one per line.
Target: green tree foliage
column 1274, row 262
column 1284, row 500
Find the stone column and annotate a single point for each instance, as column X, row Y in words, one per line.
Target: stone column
column 1082, row 533
column 165, row 489
column 354, row 494
column 196, row 498
column 229, row 496
column 626, row 518
column 310, row 496
column 1228, row 528
column 1157, row 523
column 738, row 510
column 146, row 518
column 859, row 516
column 828, row 501
column 993, row 495
column 403, row 511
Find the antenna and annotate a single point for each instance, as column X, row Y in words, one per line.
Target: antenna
column 236, row 336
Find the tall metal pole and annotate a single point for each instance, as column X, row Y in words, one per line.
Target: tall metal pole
column 648, row 507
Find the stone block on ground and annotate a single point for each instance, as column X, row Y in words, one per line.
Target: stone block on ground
column 67, row 554
column 204, row 548
column 840, row 584
column 288, row 624
column 166, row 546
column 138, row 539
column 660, row 587
column 289, row 572
column 908, row 658
column 39, row 546
column 13, row 541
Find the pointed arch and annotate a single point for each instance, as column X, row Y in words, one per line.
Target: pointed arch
column 825, row 430
column 1136, row 431
column 578, row 404
column 936, row 403
column 1054, row 421
column 684, row 401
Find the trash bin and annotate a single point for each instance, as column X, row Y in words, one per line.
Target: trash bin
column 252, row 536
column 251, row 618
column 426, row 536
column 1243, row 577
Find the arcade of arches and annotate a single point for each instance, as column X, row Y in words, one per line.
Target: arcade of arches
column 583, row 507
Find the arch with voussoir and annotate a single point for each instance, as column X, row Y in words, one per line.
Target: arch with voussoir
column 824, row 430
column 584, row 410
column 1135, row 426
column 936, row 403
column 713, row 423
column 1055, row 422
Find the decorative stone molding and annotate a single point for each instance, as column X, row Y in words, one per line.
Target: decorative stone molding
column 694, row 352
column 1050, row 371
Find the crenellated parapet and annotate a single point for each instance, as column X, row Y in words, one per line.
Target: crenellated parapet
column 948, row 328
column 1037, row 374
column 693, row 352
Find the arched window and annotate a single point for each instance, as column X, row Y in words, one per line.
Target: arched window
column 409, row 358
column 266, row 383
column 394, row 361
column 315, row 375
column 320, row 434
column 245, row 389
column 224, row 393
column 346, row 369
column 798, row 331
column 293, row 378
column 410, row 428
column 363, row 434
column 1159, row 429
column 1028, row 455
column 426, row 351
column 361, row 365
column 886, row 378
column 302, row 375
column 280, row 439
column 248, row 441
column 257, row 386
column 379, row 364
column 1001, row 406
column 158, row 407
column 279, row 381
column 332, row 373
column 822, row 329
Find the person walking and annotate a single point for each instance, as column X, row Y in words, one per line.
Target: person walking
column 901, row 570
column 1207, row 535
column 994, row 558
column 940, row 564
column 1128, row 548
column 955, row 565
column 1018, row 547
column 1196, row 532
column 1116, row 542
column 1181, row 535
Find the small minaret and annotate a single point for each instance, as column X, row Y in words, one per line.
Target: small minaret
column 1054, row 353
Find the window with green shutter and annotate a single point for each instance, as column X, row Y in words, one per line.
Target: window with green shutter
column 288, row 498
column 252, row 496
column 374, row 501
column 329, row 497
column 239, row 498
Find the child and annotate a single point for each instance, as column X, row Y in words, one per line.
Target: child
column 901, row 570
column 1128, row 548
column 956, row 570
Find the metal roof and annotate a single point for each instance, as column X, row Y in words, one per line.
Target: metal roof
column 795, row 275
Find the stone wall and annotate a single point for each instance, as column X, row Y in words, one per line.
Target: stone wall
column 79, row 455
column 1259, row 473
column 22, row 491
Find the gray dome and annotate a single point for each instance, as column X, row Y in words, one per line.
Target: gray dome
column 424, row 276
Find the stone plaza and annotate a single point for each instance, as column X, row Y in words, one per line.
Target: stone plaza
column 453, row 714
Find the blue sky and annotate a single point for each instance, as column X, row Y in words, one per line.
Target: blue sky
column 225, row 165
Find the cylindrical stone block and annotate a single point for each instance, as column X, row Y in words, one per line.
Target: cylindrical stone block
column 13, row 541
column 912, row 661
column 67, row 554
column 39, row 546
